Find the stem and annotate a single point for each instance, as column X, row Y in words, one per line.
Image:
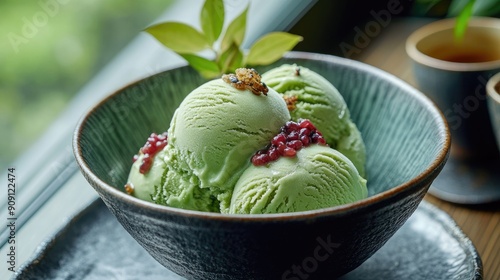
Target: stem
column 463, row 20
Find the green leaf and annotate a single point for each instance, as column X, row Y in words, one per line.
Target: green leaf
column 463, row 20
column 207, row 68
column 235, row 32
column 231, row 59
column 179, row 37
column 456, row 7
column 212, row 19
column 486, row 8
column 271, row 47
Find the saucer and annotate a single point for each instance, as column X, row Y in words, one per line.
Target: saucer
column 468, row 182
column 93, row 245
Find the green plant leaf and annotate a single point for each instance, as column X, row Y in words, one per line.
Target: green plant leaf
column 235, row 32
column 212, row 19
column 463, row 20
column 231, row 59
column 487, row 8
column 456, row 7
column 484, row 8
column 271, row 47
column 179, row 37
column 207, row 68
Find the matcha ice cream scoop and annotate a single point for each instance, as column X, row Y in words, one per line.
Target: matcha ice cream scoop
column 317, row 177
column 311, row 96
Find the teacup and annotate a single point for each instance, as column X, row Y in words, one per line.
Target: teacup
column 493, row 90
column 453, row 73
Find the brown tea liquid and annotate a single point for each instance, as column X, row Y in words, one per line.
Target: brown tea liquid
column 469, row 57
column 464, row 55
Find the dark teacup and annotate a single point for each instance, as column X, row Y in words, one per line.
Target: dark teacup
column 454, row 73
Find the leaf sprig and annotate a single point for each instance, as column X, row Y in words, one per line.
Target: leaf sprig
column 463, row 10
column 463, row 20
column 226, row 51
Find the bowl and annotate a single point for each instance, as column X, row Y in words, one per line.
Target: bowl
column 407, row 141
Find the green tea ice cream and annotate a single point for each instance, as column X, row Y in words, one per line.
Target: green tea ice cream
column 311, row 96
column 235, row 145
column 317, row 177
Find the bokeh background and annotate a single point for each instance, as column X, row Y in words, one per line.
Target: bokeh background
column 49, row 49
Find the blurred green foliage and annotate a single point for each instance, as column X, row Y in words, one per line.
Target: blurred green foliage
column 49, row 49
column 452, row 8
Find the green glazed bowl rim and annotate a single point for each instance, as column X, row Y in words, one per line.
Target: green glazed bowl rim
column 395, row 193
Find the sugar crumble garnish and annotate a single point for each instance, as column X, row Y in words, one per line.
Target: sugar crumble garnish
column 291, row 102
column 246, row 79
column 129, row 188
column 297, row 71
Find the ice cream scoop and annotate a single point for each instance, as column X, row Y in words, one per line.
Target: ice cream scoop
column 353, row 147
column 142, row 185
column 317, row 177
column 311, row 96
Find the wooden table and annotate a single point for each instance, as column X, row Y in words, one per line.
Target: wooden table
column 480, row 223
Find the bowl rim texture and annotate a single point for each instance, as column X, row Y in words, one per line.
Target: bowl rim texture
column 420, row 181
column 444, row 25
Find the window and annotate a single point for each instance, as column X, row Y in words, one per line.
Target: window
column 50, row 49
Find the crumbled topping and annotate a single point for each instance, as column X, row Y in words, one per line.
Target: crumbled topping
column 297, row 71
column 291, row 102
column 129, row 188
column 246, row 79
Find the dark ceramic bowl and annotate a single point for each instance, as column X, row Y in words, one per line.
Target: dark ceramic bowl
column 407, row 143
